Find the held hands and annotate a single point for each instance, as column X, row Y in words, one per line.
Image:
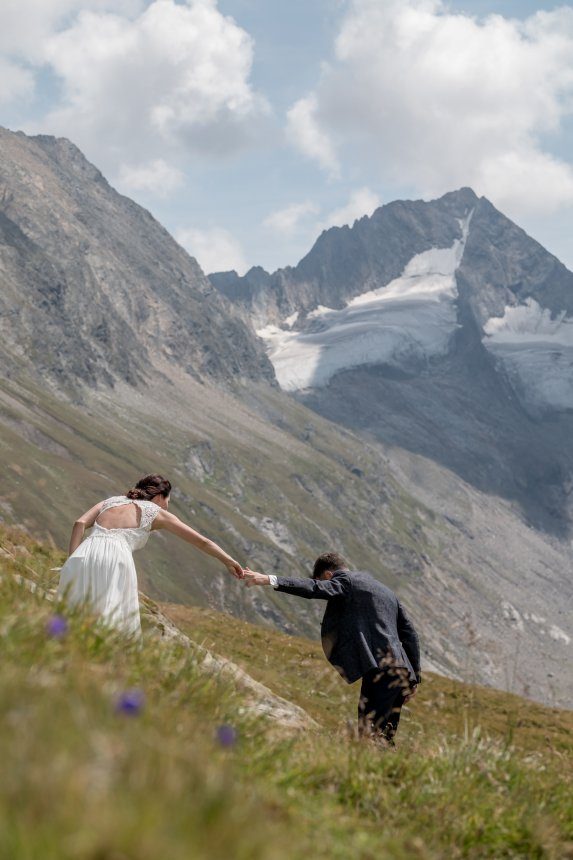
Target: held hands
column 251, row 578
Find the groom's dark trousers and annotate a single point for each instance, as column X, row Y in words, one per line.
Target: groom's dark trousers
column 366, row 634
column 382, row 695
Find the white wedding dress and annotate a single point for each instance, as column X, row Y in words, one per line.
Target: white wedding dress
column 101, row 571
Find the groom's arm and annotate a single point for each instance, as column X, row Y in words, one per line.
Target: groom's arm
column 317, row 589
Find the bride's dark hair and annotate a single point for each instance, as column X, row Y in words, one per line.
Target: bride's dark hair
column 149, row 487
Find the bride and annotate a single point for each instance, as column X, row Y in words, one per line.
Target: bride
column 100, row 569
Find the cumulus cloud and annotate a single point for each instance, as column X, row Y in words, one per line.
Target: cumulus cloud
column 153, row 177
column 173, row 76
column 527, row 181
column 289, row 220
column 215, row 249
column 138, row 81
column 445, row 99
column 26, row 24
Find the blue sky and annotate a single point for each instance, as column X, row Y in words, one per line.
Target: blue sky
column 248, row 126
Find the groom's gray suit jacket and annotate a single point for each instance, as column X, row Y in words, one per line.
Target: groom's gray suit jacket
column 364, row 625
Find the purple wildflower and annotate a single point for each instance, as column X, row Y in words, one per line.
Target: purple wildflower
column 57, row 626
column 226, row 735
column 130, row 702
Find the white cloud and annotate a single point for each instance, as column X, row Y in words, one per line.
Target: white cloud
column 305, row 131
column 361, row 202
column 153, row 177
column 437, row 99
column 215, row 249
column 287, row 221
column 139, row 81
column 527, row 181
column 26, row 24
column 16, row 82
column 25, row 28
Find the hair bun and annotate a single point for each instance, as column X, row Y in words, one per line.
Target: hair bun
column 150, row 486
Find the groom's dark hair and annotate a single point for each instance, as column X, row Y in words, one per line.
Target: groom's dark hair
column 328, row 561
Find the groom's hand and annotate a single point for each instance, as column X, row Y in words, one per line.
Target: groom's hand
column 251, row 578
column 411, row 693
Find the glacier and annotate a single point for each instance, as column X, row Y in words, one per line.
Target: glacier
column 410, row 319
column 536, row 352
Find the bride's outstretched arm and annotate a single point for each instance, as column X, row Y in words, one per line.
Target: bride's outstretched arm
column 171, row 523
column 82, row 523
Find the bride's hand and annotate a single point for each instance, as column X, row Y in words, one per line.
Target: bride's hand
column 234, row 568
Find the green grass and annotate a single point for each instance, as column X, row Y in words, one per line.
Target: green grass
column 295, row 668
column 477, row 773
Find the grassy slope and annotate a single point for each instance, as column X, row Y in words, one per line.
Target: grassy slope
column 60, row 459
column 295, row 668
column 476, row 774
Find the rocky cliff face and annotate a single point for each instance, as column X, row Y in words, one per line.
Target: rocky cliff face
column 93, row 290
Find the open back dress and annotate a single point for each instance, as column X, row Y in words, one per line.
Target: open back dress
column 101, row 572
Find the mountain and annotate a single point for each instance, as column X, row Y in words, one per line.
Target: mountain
column 440, row 327
column 101, row 291
column 345, row 259
column 182, row 384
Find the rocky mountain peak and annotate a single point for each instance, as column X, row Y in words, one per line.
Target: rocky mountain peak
column 67, row 156
column 344, row 261
column 115, row 297
column 438, row 314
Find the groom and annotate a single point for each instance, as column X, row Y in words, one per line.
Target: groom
column 365, row 634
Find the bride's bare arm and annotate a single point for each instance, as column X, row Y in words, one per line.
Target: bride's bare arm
column 84, row 522
column 171, row 523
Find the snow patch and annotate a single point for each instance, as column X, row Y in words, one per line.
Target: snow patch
column 290, row 321
column 412, row 317
column 536, row 351
column 320, row 311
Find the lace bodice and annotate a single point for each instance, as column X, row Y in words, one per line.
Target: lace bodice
column 137, row 537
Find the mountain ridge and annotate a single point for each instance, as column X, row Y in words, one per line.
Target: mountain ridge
column 245, row 288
